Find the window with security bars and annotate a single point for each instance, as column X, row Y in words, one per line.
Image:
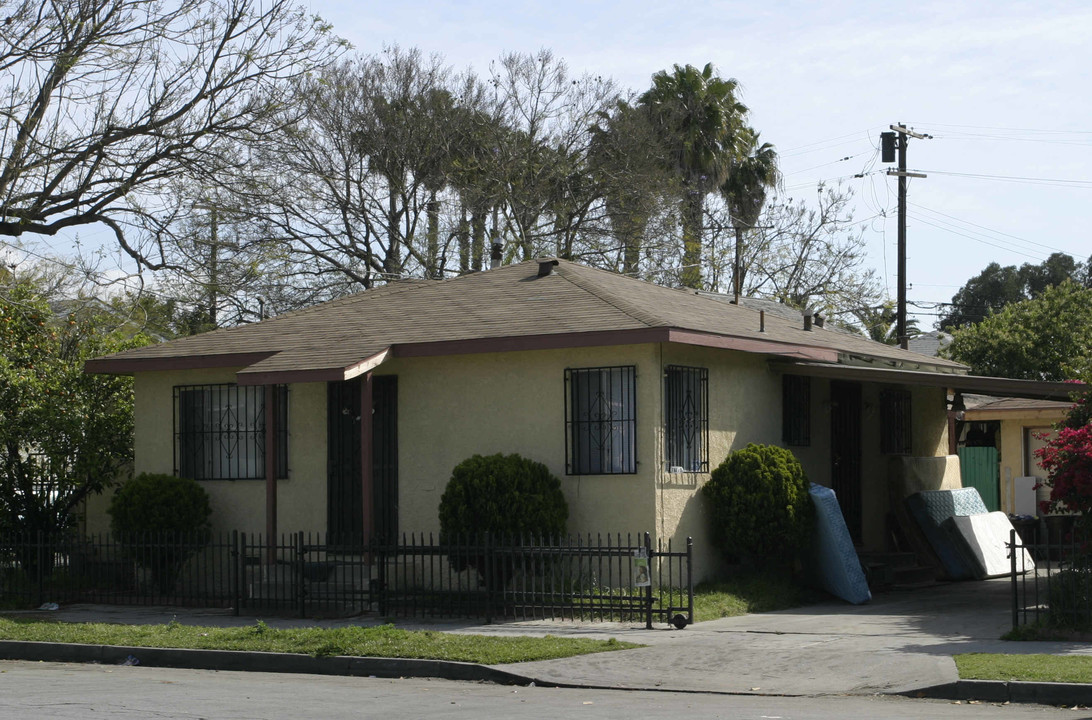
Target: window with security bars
column 895, row 430
column 600, row 421
column 686, row 418
column 796, row 410
column 220, row 431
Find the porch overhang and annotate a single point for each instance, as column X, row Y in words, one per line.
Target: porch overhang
column 977, row 384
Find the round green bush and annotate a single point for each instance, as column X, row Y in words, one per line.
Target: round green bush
column 759, row 502
column 160, row 521
column 506, row 495
column 160, row 504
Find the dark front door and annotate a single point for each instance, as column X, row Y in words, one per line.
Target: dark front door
column 385, row 455
column 345, row 484
column 845, row 452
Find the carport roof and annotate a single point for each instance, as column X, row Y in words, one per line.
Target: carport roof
column 978, row 384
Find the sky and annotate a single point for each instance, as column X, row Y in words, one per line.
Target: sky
column 1001, row 86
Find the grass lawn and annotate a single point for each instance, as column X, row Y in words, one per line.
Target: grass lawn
column 750, row 593
column 1038, row 668
column 383, row 641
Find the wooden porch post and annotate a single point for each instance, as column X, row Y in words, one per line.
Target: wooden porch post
column 270, row 474
column 953, row 441
column 366, row 452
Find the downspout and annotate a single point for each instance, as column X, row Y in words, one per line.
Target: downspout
column 270, row 475
column 366, row 479
column 660, row 451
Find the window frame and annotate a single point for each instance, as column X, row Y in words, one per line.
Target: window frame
column 694, row 383
column 796, row 410
column 582, row 457
column 896, row 422
column 198, row 417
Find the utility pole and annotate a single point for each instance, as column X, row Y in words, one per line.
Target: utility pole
column 888, row 143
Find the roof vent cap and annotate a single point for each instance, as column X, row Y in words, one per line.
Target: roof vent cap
column 546, row 266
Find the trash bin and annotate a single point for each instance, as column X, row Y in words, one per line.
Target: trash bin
column 1027, row 527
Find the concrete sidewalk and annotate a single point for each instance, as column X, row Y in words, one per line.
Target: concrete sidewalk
column 901, row 642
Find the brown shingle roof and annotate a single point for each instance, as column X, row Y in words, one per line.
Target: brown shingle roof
column 574, row 305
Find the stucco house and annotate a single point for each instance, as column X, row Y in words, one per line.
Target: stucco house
column 629, row 392
column 1005, row 433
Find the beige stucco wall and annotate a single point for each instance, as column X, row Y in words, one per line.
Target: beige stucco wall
column 455, row 406
column 744, row 407
column 450, row 408
column 236, row 504
column 929, row 438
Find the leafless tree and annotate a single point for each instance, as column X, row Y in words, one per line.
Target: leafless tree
column 809, row 254
column 105, row 102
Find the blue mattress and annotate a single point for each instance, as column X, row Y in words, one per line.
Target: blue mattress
column 931, row 508
column 834, row 560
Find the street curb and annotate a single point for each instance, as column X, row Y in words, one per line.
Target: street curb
column 248, row 661
column 1040, row 693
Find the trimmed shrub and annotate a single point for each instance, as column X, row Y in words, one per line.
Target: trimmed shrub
column 505, row 495
column 161, row 521
column 1070, row 598
column 759, row 503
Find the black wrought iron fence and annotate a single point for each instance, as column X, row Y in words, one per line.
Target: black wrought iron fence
column 605, row 577
column 1057, row 594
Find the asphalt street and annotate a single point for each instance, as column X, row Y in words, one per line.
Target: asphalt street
column 56, row 691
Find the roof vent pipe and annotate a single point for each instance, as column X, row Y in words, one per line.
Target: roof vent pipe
column 496, row 254
column 819, row 319
column 762, row 321
column 546, row 266
column 807, row 319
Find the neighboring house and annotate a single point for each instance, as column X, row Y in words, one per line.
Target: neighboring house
column 1012, row 428
column 629, row 392
column 929, row 343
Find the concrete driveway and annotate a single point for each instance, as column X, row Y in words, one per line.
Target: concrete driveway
column 901, row 641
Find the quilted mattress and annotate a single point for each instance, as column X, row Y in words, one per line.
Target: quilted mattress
column 981, row 539
column 834, row 560
column 931, row 508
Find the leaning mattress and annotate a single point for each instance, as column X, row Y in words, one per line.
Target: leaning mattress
column 835, row 564
column 931, row 508
column 982, row 541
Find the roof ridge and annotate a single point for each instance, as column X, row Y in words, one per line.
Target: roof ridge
column 610, row 298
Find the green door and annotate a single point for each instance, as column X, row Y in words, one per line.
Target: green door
column 979, row 469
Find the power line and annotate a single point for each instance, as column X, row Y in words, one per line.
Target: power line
column 996, row 232
column 832, row 162
column 800, row 149
column 1009, row 129
column 939, row 226
column 1010, row 138
column 1060, row 182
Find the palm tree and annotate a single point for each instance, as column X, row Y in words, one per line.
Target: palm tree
column 745, row 190
column 699, row 121
column 628, row 171
column 878, row 323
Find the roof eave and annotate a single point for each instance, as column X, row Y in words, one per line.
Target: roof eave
column 979, row 384
column 121, row 365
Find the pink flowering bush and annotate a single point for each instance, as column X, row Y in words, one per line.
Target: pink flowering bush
column 1067, row 458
